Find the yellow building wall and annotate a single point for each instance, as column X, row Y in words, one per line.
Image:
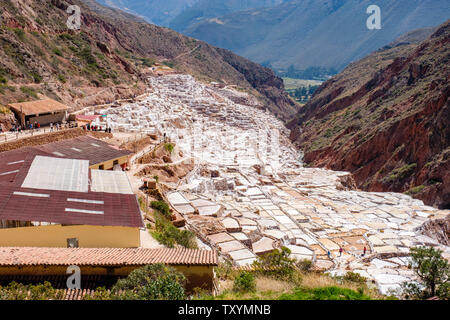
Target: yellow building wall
column 57, row 235
column 108, row 165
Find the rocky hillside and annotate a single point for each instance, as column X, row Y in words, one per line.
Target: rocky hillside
column 386, row 118
column 156, row 12
column 108, row 57
column 303, row 34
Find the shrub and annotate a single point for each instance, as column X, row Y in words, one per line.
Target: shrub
column 4, row 110
column 58, row 52
column 305, row 265
column 152, row 282
column 169, row 147
column 167, row 234
column 169, row 64
column 18, row 291
column 62, row 78
column 276, row 263
column 244, row 282
column 162, row 207
column 225, row 270
column 20, row 33
column 354, row 277
column 37, row 78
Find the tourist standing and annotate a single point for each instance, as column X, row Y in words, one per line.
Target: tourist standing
column 340, row 251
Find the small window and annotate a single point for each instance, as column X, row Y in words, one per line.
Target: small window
column 72, row 243
column 101, row 167
column 115, row 162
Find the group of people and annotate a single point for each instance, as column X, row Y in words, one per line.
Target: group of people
column 90, row 127
column 30, row 126
column 342, row 250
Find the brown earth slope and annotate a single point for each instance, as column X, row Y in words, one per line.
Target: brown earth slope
column 386, row 119
column 108, row 57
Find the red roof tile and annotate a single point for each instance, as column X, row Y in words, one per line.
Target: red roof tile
column 30, row 256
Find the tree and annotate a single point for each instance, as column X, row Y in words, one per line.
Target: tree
column 433, row 271
column 152, row 282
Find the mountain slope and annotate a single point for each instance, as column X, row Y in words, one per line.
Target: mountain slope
column 386, row 119
column 157, row 12
column 206, row 9
column 109, row 56
column 310, row 33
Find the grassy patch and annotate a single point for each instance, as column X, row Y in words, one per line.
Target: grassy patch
column 3, row 80
column 169, row 64
column 19, row 33
column 400, row 173
column 327, row 293
column 169, row 235
column 415, row 190
column 62, row 78
column 162, row 207
column 5, row 87
column 30, row 92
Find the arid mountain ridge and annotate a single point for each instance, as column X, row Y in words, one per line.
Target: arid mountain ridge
column 386, row 119
column 109, row 57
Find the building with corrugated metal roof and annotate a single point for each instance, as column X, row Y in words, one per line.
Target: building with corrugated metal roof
column 51, row 201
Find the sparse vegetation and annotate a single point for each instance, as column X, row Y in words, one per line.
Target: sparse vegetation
column 169, row 64
column 4, row 110
column 400, row 173
column 433, row 271
column 169, row 147
column 276, row 263
column 152, row 282
column 30, row 92
column 169, row 235
column 415, row 190
column 162, row 207
column 327, row 293
column 62, row 78
column 19, row 291
column 244, row 282
column 294, row 282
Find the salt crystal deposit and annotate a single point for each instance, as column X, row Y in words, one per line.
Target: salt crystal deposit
column 249, row 180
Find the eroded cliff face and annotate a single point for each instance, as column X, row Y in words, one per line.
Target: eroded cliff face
column 386, row 119
column 7, row 120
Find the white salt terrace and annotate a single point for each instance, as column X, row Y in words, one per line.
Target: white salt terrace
column 264, row 198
